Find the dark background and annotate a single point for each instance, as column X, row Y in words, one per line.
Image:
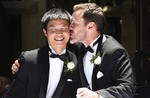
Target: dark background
column 10, row 38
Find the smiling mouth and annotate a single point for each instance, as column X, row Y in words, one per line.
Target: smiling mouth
column 59, row 39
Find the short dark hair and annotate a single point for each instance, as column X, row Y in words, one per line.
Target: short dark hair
column 55, row 13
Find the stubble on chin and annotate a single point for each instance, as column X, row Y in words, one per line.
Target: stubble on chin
column 72, row 41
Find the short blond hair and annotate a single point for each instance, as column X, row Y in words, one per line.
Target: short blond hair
column 85, row 6
column 92, row 13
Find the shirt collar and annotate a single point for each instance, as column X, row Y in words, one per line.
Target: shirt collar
column 64, row 51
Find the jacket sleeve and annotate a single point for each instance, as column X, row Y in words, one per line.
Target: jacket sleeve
column 18, row 87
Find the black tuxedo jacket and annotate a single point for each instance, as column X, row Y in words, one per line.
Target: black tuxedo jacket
column 31, row 81
column 113, row 77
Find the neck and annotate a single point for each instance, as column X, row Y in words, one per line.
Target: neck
column 58, row 50
column 89, row 40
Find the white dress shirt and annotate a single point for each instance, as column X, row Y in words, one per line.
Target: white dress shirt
column 55, row 71
column 88, row 66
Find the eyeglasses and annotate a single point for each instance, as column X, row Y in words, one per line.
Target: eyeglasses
column 58, row 30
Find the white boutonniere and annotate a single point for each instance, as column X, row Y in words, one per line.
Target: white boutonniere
column 96, row 59
column 68, row 66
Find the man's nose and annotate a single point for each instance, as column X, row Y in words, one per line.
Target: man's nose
column 59, row 32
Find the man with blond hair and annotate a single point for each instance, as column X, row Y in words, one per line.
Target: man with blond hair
column 105, row 69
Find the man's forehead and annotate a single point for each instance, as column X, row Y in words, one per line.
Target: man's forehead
column 60, row 25
column 79, row 12
column 77, row 15
column 58, row 22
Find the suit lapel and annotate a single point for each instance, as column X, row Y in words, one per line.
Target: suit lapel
column 82, row 74
column 45, row 72
column 96, row 67
column 99, row 47
column 95, row 70
column 60, row 86
column 81, row 67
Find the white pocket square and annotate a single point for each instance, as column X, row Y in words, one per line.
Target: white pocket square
column 69, row 80
column 99, row 74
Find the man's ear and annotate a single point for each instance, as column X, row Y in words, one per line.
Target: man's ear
column 91, row 25
column 45, row 33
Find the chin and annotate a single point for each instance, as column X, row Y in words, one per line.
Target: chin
column 73, row 41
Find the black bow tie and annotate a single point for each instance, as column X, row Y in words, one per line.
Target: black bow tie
column 99, row 40
column 62, row 57
column 89, row 49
